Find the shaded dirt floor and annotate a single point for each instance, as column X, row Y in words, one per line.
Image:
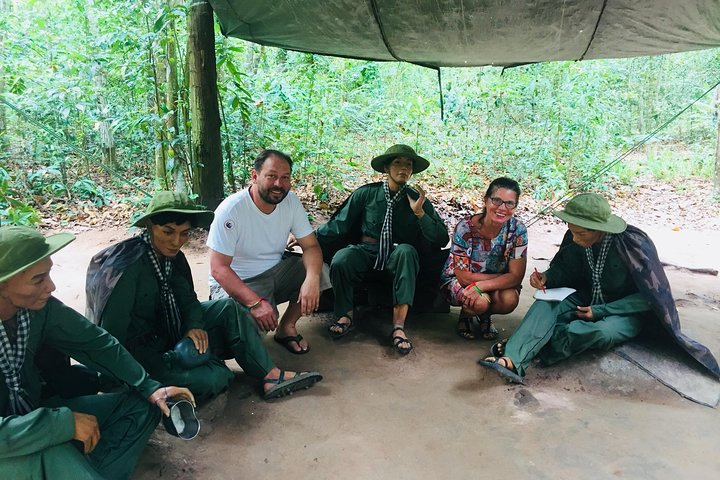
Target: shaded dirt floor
column 435, row 413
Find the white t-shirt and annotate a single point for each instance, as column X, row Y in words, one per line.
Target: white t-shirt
column 255, row 240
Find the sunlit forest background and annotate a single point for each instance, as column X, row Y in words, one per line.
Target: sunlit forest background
column 93, row 94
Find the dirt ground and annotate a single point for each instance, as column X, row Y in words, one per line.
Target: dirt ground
column 435, row 413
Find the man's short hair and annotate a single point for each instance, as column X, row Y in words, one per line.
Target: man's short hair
column 267, row 153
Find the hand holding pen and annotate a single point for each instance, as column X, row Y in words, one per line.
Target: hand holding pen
column 537, row 280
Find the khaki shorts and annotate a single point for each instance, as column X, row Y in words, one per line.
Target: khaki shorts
column 280, row 283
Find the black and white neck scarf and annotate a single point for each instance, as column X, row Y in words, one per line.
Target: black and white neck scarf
column 596, row 267
column 167, row 298
column 12, row 358
column 386, row 234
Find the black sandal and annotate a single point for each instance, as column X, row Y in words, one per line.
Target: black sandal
column 398, row 341
column 465, row 328
column 345, row 327
column 498, row 349
column 487, row 329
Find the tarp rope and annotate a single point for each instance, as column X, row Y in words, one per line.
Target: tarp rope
column 25, row 116
column 605, row 168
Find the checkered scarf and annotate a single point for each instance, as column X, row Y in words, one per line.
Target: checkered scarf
column 596, row 267
column 12, row 358
column 167, row 298
column 386, row 234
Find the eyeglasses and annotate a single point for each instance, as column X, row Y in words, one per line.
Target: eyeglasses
column 509, row 204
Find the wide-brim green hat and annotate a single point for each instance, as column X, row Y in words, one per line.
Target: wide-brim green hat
column 23, row 247
column 591, row 211
column 399, row 150
column 166, row 201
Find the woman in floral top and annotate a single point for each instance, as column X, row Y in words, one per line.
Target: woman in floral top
column 488, row 259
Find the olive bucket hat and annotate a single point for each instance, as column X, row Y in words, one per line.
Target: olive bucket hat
column 166, row 201
column 399, row 150
column 591, row 211
column 22, row 247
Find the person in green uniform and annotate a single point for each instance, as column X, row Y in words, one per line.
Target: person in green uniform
column 87, row 437
column 394, row 224
column 141, row 291
column 620, row 289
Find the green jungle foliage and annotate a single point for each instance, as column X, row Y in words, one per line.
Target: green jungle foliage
column 81, row 78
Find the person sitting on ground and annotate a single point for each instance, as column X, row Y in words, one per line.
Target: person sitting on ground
column 395, row 224
column 620, row 288
column 141, row 291
column 91, row 436
column 248, row 261
column 487, row 263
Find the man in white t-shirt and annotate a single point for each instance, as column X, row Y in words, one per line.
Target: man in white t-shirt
column 248, row 259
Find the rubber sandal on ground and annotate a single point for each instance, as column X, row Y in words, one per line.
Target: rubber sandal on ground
column 498, row 349
column 345, row 328
column 493, row 363
column 300, row 381
column 398, row 341
column 285, row 342
column 464, row 328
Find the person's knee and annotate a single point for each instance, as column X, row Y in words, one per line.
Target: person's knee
column 406, row 252
column 343, row 262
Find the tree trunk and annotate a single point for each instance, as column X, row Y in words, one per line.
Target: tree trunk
column 206, row 146
column 175, row 146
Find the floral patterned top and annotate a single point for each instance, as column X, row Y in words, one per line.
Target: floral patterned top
column 476, row 254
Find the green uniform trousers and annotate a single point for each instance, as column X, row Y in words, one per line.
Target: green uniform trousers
column 229, row 330
column 552, row 332
column 126, row 421
column 350, row 264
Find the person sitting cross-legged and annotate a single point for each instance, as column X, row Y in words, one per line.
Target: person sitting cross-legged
column 620, row 289
column 141, row 291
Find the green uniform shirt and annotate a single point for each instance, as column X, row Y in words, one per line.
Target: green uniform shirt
column 61, row 327
column 134, row 309
column 570, row 268
column 368, row 206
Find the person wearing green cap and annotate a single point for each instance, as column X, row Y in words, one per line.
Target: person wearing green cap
column 620, row 289
column 384, row 226
column 141, row 291
column 92, row 436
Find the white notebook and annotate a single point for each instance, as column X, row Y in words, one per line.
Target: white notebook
column 553, row 294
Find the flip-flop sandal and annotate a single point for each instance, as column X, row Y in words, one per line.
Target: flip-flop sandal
column 506, row 373
column 398, row 341
column 300, row 381
column 498, row 349
column 345, row 328
column 487, row 329
column 464, row 328
column 285, row 342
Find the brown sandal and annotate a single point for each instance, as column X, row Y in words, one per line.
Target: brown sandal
column 464, row 328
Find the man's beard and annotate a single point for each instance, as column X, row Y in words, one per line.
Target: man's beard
column 265, row 195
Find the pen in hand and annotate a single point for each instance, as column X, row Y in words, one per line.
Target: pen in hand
column 543, row 287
